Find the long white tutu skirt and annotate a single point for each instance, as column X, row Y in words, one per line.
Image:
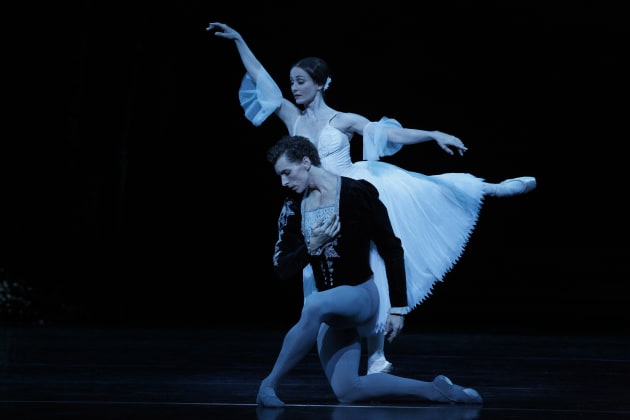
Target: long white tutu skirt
column 433, row 215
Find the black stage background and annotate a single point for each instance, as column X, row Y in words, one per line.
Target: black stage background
column 136, row 192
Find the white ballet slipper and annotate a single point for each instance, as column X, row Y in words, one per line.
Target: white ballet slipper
column 515, row 186
column 379, row 365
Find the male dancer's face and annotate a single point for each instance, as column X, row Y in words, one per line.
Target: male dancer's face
column 293, row 175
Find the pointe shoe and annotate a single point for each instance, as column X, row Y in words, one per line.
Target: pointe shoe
column 380, row 365
column 455, row 393
column 267, row 398
column 515, row 186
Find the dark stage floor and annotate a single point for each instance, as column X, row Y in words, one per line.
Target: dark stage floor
column 81, row 373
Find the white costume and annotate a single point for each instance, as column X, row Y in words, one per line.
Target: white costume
column 433, row 215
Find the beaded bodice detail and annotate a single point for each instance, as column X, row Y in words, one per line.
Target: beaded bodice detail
column 314, row 217
column 311, row 217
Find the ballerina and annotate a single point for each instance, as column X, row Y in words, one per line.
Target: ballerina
column 434, row 215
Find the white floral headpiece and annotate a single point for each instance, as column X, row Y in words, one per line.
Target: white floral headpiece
column 328, row 80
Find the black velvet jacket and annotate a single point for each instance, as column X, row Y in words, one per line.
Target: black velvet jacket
column 363, row 219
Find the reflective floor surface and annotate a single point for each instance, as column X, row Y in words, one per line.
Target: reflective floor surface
column 82, row 373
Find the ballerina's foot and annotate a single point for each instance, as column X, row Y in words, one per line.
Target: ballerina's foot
column 379, row 365
column 452, row 393
column 267, row 398
column 515, row 186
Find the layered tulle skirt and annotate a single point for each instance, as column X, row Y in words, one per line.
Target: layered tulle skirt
column 433, row 215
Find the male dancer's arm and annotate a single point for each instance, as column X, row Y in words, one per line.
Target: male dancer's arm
column 390, row 249
column 290, row 253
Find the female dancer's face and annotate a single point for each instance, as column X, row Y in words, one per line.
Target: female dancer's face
column 303, row 86
column 293, row 175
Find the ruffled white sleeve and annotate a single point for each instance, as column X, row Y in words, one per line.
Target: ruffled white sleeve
column 375, row 143
column 259, row 98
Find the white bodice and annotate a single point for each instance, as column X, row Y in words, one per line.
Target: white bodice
column 333, row 147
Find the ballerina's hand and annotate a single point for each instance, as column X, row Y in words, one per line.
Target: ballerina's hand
column 446, row 141
column 222, row 30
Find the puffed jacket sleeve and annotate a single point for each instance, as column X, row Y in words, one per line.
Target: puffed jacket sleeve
column 389, row 246
column 290, row 252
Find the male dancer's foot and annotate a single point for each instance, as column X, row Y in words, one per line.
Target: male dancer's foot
column 451, row 393
column 267, row 397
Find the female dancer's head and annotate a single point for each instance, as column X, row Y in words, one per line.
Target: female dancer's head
column 309, row 76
